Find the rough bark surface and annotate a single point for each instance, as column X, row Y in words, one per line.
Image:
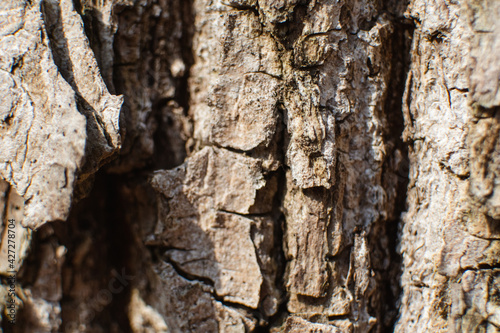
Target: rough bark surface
column 58, row 120
column 268, row 150
column 449, row 239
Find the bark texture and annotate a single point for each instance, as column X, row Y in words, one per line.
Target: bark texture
column 268, row 150
column 450, row 241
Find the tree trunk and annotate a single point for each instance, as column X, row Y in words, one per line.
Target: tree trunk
column 250, row 166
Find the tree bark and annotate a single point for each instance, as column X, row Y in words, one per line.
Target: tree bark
column 251, row 165
column 450, row 241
